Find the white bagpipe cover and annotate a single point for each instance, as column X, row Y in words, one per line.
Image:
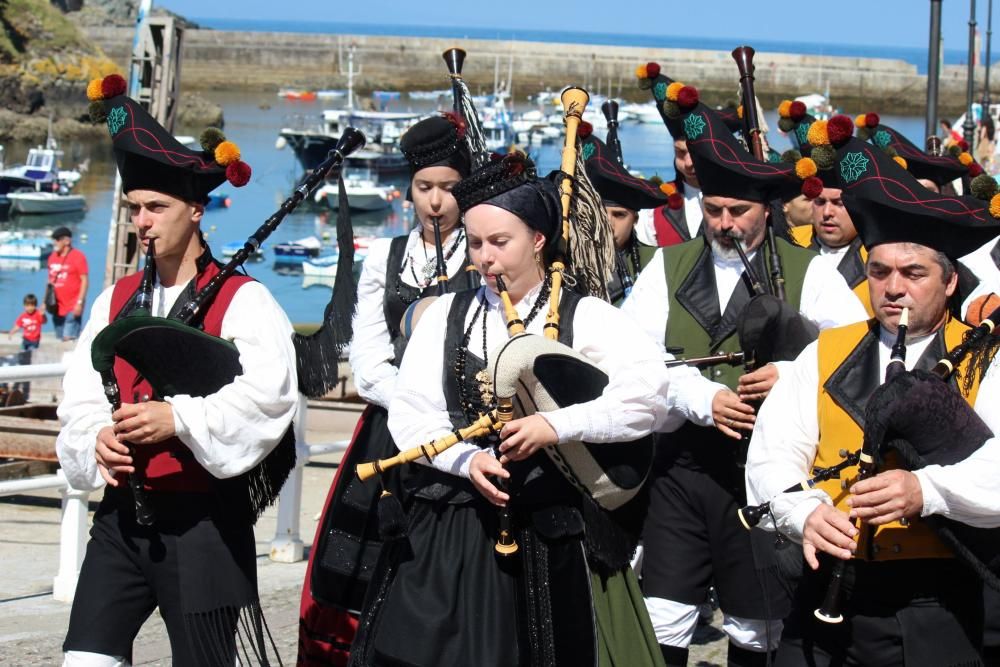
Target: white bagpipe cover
column 540, row 375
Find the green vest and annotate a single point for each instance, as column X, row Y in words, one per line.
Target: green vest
column 702, row 331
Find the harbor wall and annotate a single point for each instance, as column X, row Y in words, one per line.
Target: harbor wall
column 267, row 61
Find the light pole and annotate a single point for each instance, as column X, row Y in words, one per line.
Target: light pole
column 969, row 126
column 933, row 69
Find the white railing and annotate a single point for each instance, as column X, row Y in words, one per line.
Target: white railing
column 286, row 547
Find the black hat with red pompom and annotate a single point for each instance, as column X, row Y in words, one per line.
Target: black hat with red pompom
column 668, row 94
column 150, row 158
column 939, row 169
column 438, row 141
column 612, row 181
column 888, row 205
column 724, row 167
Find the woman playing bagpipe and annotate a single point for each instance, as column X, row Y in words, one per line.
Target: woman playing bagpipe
column 397, row 272
column 185, row 475
column 907, row 526
column 565, row 596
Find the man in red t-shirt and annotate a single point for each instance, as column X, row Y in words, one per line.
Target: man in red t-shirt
column 68, row 276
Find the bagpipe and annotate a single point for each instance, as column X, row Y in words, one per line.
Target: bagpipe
column 176, row 357
column 534, row 373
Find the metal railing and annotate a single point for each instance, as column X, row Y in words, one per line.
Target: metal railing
column 286, row 546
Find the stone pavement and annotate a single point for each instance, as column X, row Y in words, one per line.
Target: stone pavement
column 32, row 624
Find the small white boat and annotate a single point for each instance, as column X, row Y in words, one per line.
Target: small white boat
column 297, row 251
column 40, row 203
column 326, row 266
column 363, row 192
column 644, row 113
column 231, row 248
column 14, row 245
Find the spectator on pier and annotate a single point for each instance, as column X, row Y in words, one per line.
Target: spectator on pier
column 68, row 277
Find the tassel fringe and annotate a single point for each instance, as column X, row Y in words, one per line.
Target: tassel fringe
column 592, row 242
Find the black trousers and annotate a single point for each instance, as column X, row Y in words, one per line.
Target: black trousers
column 914, row 613
column 183, row 564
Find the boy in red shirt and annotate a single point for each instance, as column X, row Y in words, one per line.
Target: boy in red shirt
column 30, row 321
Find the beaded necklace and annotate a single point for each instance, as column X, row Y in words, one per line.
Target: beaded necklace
column 429, row 271
column 474, row 406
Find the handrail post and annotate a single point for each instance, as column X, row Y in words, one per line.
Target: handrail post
column 286, row 547
column 72, row 542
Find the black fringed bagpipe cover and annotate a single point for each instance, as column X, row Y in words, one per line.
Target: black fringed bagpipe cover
column 176, row 358
column 941, row 429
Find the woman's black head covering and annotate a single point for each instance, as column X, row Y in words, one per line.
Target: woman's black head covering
column 437, row 142
column 511, row 182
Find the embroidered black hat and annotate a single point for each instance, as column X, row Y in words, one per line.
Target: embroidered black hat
column 612, row 181
column 437, row 141
column 652, row 78
column 511, row 182
column 888, row 205
column 150, row 158
column 724, row 167
column 938, row 169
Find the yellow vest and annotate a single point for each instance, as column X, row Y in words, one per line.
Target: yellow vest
column 837, row 430
column 803, row 236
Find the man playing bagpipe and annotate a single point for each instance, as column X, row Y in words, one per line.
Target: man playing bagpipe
column 692, row 296
column 187, row 471
column 899, row 595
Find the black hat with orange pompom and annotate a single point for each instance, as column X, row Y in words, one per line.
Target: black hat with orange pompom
column 151, row 158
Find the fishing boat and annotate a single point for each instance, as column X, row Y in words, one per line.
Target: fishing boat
column 297, row 95
column 41, row 203
column 40, row 171
column 233, row 247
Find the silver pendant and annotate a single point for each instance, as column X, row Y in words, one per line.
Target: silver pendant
column 430, row 269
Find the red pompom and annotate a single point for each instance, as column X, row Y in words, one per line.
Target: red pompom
column 675, row 201
column 872, row 120
column 797, row 111
column 964, row 145
column 584, row 129
column 812, row 187
column 687, row 97
column 238, row 173
column 113, row 85
column 652, row 70
column 839, row 129
column 458, row 121
column 975, row 169
column 514, row 164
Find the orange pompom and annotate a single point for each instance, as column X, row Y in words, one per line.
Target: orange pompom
column 995, row 206
column 901, row 161
column 668, row 188
column 673, row 90
column 784, row 109
column 640, row 71
column 227, row 153
column 739, row 112
column 859, row 120
column 805, row 168
column 965, row 159
column 817, row 135
column 981, row 308
column 95, row 90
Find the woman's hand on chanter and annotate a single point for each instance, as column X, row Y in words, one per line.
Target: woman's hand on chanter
column 480, row 468
column 523, row 437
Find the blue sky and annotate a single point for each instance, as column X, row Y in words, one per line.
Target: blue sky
column 882, row 22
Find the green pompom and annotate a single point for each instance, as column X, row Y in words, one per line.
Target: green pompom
column 97, row 112
column 210, row 138
column 671, row 110
column 890, row 151
column 863, row 133
column 824, row 156
column 786, row 125
column 954, row 150
column 656, row 180
column 983, row 187
column 791, row 156
column 645, row 84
